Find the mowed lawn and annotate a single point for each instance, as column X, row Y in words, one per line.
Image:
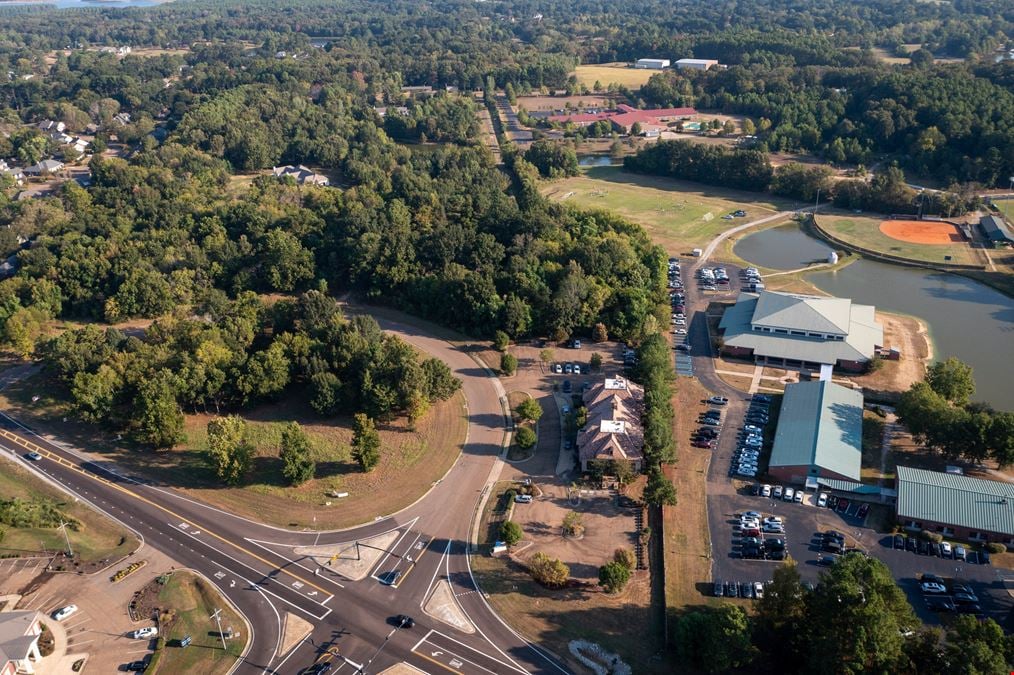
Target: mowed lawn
column 410, row 459
column 865, row 231
column 620, row 73
column 192, row 601
column 96, row 538
column 678, row 215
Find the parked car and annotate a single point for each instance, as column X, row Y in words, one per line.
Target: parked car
column 899, row 542
column 703, row 444
column 789, row 494
column 827, row 560
column 777, row 494
column 523, row 499
column 711, row 421
column 719, row 589
column 843, row 505
column 758, row 590
column 910, row 544
column 718, row 400
column 566, row 386
column 945, row 549
column 751, row 427
column 404, row 621
column 568, row 368
column 863, row 510
column 773, row 528
column 832, row 502
column 938, row 604
column 144, row 633
column 932, row 587
column 745, row 589
column 965, row 599
column 960, row 552
column 922, row 547
column 731, row 589
column 64, row 612
column 822, row 500
column 766, row 491
column 557, row 368
column 798, row 498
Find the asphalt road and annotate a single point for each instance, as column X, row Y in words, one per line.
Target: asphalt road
column 253, row 564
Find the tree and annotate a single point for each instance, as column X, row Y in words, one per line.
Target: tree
column 229, row 450
column 365, row 442
column 781, row 614
column 1001, row 438
column 547, row 356
column 95, row 393
column 573, row 525
column 856, row 618
column 525, row 438
column 729, row 128
column 530, row 410
column 510, row 532
column 749, row 128
column 508, row 364
column 501, row 341
column 599, row 332
column 595, row 361
column 325, row 393
column 613, row 576
column 714, row 640
column 297, row 465
column 635, row 129
column 975, row 646
column 550, row 572
column 440, row 383
column 659, row 491
column 625, row 557
column 952, row 379
column 157, row 417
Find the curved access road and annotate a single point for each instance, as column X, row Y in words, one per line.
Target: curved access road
column 352, row 619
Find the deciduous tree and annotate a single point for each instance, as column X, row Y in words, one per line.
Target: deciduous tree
column 365, row 442
column 230, row 452
column 297, row 464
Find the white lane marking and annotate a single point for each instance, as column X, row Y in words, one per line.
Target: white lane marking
column 426, row 595
column 387, row 555
column 294, row 562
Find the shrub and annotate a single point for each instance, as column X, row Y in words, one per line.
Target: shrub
column 550, row 572
column 529, row 409
column 573, row 525
column 613, row 576
column 510, row 532
column 525, row 438
column 935, row 537
column 996, row 547
column 645, row 535
column 596, row 361
column 599, row 333
column 501, row 340
column 508, row 364
column 625, row 557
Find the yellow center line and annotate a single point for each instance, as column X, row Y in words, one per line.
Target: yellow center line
column 442, row 665
column 46, row 453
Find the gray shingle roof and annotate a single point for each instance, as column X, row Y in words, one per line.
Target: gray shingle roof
column 820, row 424
column 995, row 228
column 864, row 334
column 953, row 499
column 803, row 312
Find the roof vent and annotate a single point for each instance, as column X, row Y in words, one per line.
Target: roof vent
column 1003, row 500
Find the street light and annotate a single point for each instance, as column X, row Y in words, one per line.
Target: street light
column 1010, row 193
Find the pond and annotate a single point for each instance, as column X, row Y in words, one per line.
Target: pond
column 781, row 248
column 966, row 319
column 594, row 160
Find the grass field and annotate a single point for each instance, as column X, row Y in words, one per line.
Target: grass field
column 620, row 73
column 533, row 103
column 865, row 231
column 678, row 215
column 411, row 460
column 97, row 537
column 193, row 600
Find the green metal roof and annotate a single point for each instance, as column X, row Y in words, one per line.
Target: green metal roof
column 820, row 425
column 955, row 499
column 803, row 312
column 849, row 486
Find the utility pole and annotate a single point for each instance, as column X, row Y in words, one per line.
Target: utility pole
column 1010, row 195
column 70, row 551
column 218, row 619
column 816, row 204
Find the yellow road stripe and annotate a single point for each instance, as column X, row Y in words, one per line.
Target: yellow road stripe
column 46, row 453
column 445, row 667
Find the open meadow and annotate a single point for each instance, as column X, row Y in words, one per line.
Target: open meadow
column 620, row 73
column 678, row 215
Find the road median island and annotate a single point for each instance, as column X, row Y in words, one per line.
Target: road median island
column 442, row 606
column 351, row 559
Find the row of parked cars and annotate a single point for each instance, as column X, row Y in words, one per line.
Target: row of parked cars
column 569, row 368
column 761, row 537
column 746, row 460
column 943, row 549
column 943, row 595
column 711, row 278
column 743, row 589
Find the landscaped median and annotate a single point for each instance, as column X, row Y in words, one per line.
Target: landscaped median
column 187, row 602
column 526, row 413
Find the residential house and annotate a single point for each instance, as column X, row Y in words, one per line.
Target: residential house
column 301, row 174
column 19, row 641
column 44, row 167
column 123, row 118
column 613, row 432
column 819, row 435
column 956, row 505
column 791, row 330
column 50, row 127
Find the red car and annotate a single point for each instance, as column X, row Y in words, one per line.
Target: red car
column 703, row 444
column 843, row 505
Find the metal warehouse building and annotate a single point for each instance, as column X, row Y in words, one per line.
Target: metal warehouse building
column 973, row 509
column 820, row 433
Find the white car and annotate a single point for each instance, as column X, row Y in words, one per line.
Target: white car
column 945, row 549
column 680, row 331
column 144, row 633
column 750, row 473
column 523, row 499
column 932, row 587
column 773, row 528
column 789, row 494
column 64, row 612
column 822, row 500
column 758, row 590
column 777, row 494
column 766, row 491
column 798, row 498
column 776, row 520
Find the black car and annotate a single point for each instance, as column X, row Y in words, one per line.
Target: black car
column 708, row 431
column 732, row 589
column 832, row 502
column 984, row 557
column 827, row 560
column 832, row 534
column 745, row 589
column 899, row 541
column 934, row 549
column 719, row 589
column 923, row 547
column 136, row 667
column 910, row 544
column 755, row 490
column 832, row 546
column 752, row 552
column 969, row 609
column 404, row 621
column 965, row 599
column 939, row 604
column 566, row 386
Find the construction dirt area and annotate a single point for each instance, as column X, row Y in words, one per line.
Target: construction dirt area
column 607, row 527
column 909, row 336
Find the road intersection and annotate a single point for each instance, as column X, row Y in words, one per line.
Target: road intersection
column 256, row 567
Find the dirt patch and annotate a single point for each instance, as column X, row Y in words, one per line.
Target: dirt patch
column 921, row 231
column 908, row 335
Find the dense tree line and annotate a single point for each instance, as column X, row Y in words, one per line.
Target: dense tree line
column 233, row 354
column 939, row 411
column 856, row 617
column 655, row 372
column 712, row 164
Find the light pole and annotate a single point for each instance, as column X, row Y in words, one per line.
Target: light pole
column 70, row 551
column 1010, row 194
column 218, row 619
column 816, row 204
